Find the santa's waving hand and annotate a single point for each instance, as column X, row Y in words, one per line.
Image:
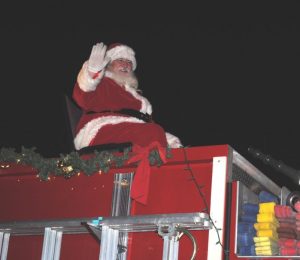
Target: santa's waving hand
column 98, row 59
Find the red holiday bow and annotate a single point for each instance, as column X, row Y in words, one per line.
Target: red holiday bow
column 140, row 184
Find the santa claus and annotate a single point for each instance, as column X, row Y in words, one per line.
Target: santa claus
column 114, row 109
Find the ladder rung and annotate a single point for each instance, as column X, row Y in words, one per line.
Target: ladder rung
column 4, row 241
column 51, row 244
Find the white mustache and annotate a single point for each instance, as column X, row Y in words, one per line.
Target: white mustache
column 125, row 70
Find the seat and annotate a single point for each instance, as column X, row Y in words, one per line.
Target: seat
column 74, row 113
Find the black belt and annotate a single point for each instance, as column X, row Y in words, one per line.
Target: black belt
column 129, row 112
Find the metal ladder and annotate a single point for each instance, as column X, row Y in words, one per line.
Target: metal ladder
column 112, row 231
column 109, row 231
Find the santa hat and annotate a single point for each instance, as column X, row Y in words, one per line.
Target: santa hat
column 120, row 51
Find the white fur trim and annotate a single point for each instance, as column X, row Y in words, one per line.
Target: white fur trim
column 89, row 131
column 146, row 106
column 85, row 81
column 124, row 52
column 173, row 141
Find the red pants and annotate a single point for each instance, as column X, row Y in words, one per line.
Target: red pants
column 142, row 134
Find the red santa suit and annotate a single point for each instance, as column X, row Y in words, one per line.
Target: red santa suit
column 104, row 125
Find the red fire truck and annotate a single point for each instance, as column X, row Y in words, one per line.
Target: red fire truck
column 192, row 212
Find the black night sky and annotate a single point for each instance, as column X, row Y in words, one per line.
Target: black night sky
column 214, row 74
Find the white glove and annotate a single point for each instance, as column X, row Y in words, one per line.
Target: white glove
column 98, row 59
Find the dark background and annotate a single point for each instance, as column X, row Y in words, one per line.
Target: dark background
column 219, row 74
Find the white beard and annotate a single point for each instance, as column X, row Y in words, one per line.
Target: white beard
column 123, row 79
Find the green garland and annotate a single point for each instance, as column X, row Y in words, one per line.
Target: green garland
column 68, row 165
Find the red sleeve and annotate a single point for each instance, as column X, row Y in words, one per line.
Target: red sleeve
column 82, row 98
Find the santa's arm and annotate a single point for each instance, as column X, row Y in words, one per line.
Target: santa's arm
column 87, row 80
